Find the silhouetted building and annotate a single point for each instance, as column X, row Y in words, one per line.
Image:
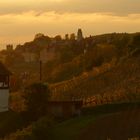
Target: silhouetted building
column 9, row 47
column 79, row 35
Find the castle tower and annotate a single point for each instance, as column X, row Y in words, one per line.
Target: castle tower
column 4, row 88
column 79, row 35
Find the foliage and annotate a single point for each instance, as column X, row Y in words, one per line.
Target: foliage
column 42, row 129
column 36, row 98
column 10, row 122
column 20, row 134
column 67, row 71
column 136, row 40
column 135, row 44
column 58, row 38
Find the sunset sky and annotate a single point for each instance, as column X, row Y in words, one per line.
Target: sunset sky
column 20, row 20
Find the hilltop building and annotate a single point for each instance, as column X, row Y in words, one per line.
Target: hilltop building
column 4, row 88
column 9, row 47
column 79, row 35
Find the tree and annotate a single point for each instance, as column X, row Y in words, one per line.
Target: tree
column 36, row 97
column 66, row 36
column 135, row 44
column 39, row 35
column 43, row 129
column 58, row 38
column 72, row 37
column 136, row 40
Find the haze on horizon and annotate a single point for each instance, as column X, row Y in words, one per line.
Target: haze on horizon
column 21, row 20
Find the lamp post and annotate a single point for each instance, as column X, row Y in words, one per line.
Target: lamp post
column 40, row 67
column 40, row 73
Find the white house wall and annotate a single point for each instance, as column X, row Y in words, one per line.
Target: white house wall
column 4, row 99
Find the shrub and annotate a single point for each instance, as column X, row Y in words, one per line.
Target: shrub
column 42, row 129
column 36, row 97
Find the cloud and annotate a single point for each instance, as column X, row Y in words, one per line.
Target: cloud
column 118, row 7
column 22, row 27
column 20, row 20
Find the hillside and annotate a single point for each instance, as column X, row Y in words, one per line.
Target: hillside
column 101, row 71
column 122, row 80
column 70, row 57
column 116, row 121
column 114, row 127
column 85, row 77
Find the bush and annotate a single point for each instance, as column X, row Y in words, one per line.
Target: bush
column 10, row 122
column 36, row 98
column 42, row 129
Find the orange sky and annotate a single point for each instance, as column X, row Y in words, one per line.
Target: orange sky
column 20, row 20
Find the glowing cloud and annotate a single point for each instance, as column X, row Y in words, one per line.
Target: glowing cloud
column 20, row 20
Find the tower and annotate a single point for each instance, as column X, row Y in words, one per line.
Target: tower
column 79, row 35
column 9, row 47
column 4, row 88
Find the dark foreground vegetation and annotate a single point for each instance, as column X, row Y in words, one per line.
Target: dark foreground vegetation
column 115, row 121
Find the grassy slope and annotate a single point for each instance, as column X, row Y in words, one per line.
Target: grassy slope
column 72, row 129
column 10, row 122
column 83, row 127
column 119, row 126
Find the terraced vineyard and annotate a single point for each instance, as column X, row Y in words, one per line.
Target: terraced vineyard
column 120, row 83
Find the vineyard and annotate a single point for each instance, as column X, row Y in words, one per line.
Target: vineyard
column 109, row 83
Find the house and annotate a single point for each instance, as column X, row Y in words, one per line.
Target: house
column 4, row 88
column 65, row 109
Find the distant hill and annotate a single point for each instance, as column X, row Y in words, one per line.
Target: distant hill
column 103, row 71
column 94, row 54
column 122, row 80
